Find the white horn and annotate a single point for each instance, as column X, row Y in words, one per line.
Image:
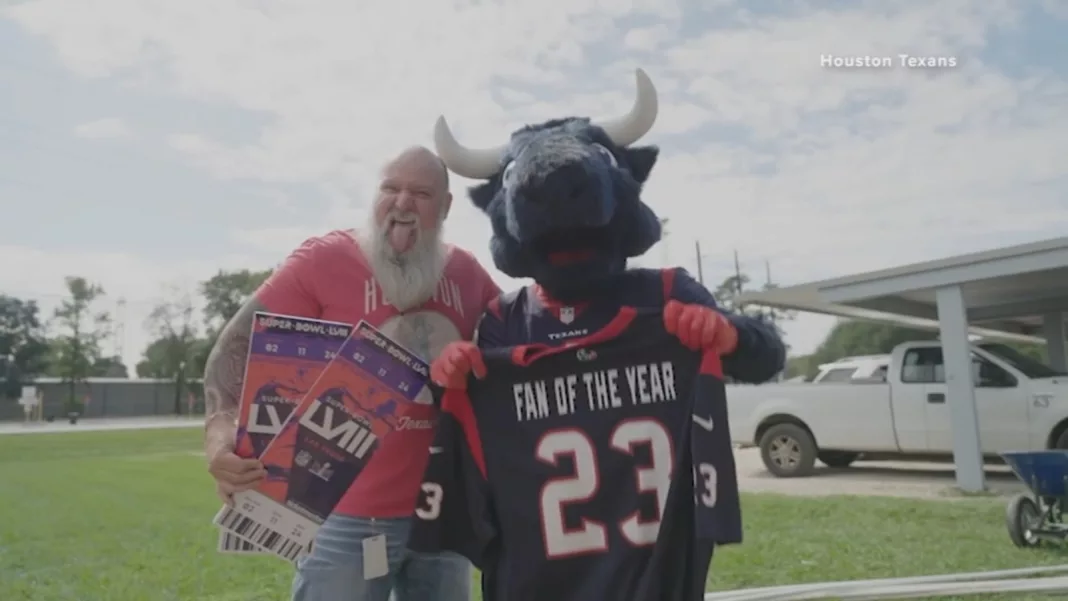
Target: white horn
column 629, row 128
column 472, row 163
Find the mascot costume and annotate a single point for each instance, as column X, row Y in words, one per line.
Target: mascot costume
column 564, row 201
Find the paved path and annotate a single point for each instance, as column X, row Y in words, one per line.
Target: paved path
column 105, row 423
column 869, row 478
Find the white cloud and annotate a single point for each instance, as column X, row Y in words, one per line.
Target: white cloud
column 110, row 127
column 682, row 117
column 276, row 240
column 647, row 38
column 1056, row 7
column 821, row 171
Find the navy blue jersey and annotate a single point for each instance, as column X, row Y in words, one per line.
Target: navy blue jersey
column 528, row 316
column 599, row 468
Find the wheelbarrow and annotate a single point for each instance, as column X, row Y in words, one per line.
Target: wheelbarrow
column 1038, row 516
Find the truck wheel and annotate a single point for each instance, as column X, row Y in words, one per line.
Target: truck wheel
column 838, row 458
column 788, row 451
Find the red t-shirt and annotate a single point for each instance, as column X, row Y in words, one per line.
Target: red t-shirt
column 329, row 278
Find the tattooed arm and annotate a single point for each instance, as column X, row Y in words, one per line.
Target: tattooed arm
column 224, row 374
column 290, row 291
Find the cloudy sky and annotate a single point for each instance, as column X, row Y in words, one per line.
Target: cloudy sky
column 146, row 144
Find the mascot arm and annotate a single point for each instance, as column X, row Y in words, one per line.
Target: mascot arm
column 490, row 332
column 459, row 359
column 760, row 353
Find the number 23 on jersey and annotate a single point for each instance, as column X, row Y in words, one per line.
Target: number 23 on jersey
column 655, row 478
column 581, row 486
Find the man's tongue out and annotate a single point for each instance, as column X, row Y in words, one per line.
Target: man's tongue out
column 402, row 235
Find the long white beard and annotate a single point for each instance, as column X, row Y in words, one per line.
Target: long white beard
column 409, row 279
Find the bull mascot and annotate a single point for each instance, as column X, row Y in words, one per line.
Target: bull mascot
column 564, row 202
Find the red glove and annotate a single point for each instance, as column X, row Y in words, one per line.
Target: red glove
column 456, row 361
column 698, row 327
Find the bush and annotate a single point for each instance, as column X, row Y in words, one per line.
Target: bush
column 73, row 405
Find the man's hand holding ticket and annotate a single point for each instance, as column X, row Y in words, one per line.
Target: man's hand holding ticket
column 360, row 397
column 286, row 355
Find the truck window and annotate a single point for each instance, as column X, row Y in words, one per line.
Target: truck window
column 922, row 366
column 925, row 366
column 988, row 375
column 1030, row 367
column 841, row 374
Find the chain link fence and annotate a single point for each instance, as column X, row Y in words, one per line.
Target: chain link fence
column 112, row 397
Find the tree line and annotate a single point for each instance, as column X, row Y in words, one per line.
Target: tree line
column 70, row 343
column 853, row 338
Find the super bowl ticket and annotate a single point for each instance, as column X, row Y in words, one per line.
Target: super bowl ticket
column 361, row 396
column 286, row 356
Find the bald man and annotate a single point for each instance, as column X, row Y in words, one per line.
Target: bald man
column 397, row 274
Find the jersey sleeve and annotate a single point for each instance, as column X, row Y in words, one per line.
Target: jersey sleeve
column 717, row 502
column 290, row 290
column 498, row 321
column 491, row 332
column 454, row 510
column 760, row 353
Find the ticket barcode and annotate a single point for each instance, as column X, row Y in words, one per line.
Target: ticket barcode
column 259, row 534
column 232, row 543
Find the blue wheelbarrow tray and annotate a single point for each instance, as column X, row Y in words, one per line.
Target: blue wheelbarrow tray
column 1032, row 518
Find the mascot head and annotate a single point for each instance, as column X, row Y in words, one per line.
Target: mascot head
column 564, row 197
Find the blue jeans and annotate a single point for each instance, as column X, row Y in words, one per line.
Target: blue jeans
column 333, row 571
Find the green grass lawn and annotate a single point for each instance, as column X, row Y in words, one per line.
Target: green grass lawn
column 117, row 516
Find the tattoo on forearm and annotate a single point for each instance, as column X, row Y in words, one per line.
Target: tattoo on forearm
column 225, row 369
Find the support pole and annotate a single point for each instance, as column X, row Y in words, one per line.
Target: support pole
column 956, row 356
column 1053, row 332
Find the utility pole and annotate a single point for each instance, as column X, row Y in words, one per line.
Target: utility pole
column 118, row 332
column 700, row 268
column 737, row 273
column 767, row 274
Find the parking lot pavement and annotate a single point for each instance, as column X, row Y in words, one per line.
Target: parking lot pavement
column 104, row 423
column 873, row 478
column 869, row 478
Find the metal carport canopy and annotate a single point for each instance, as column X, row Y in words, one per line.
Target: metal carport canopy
column 1006, row 291
column 1013, row 292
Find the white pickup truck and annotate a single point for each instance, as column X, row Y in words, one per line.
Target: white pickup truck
column 1022, row 405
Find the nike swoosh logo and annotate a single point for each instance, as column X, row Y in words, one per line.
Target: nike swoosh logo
column 705, row 423
column 436, row 450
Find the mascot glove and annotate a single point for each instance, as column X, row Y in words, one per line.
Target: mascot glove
column 700, row 328
column 456, row 361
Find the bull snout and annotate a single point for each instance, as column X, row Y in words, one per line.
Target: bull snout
column 564, row 186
